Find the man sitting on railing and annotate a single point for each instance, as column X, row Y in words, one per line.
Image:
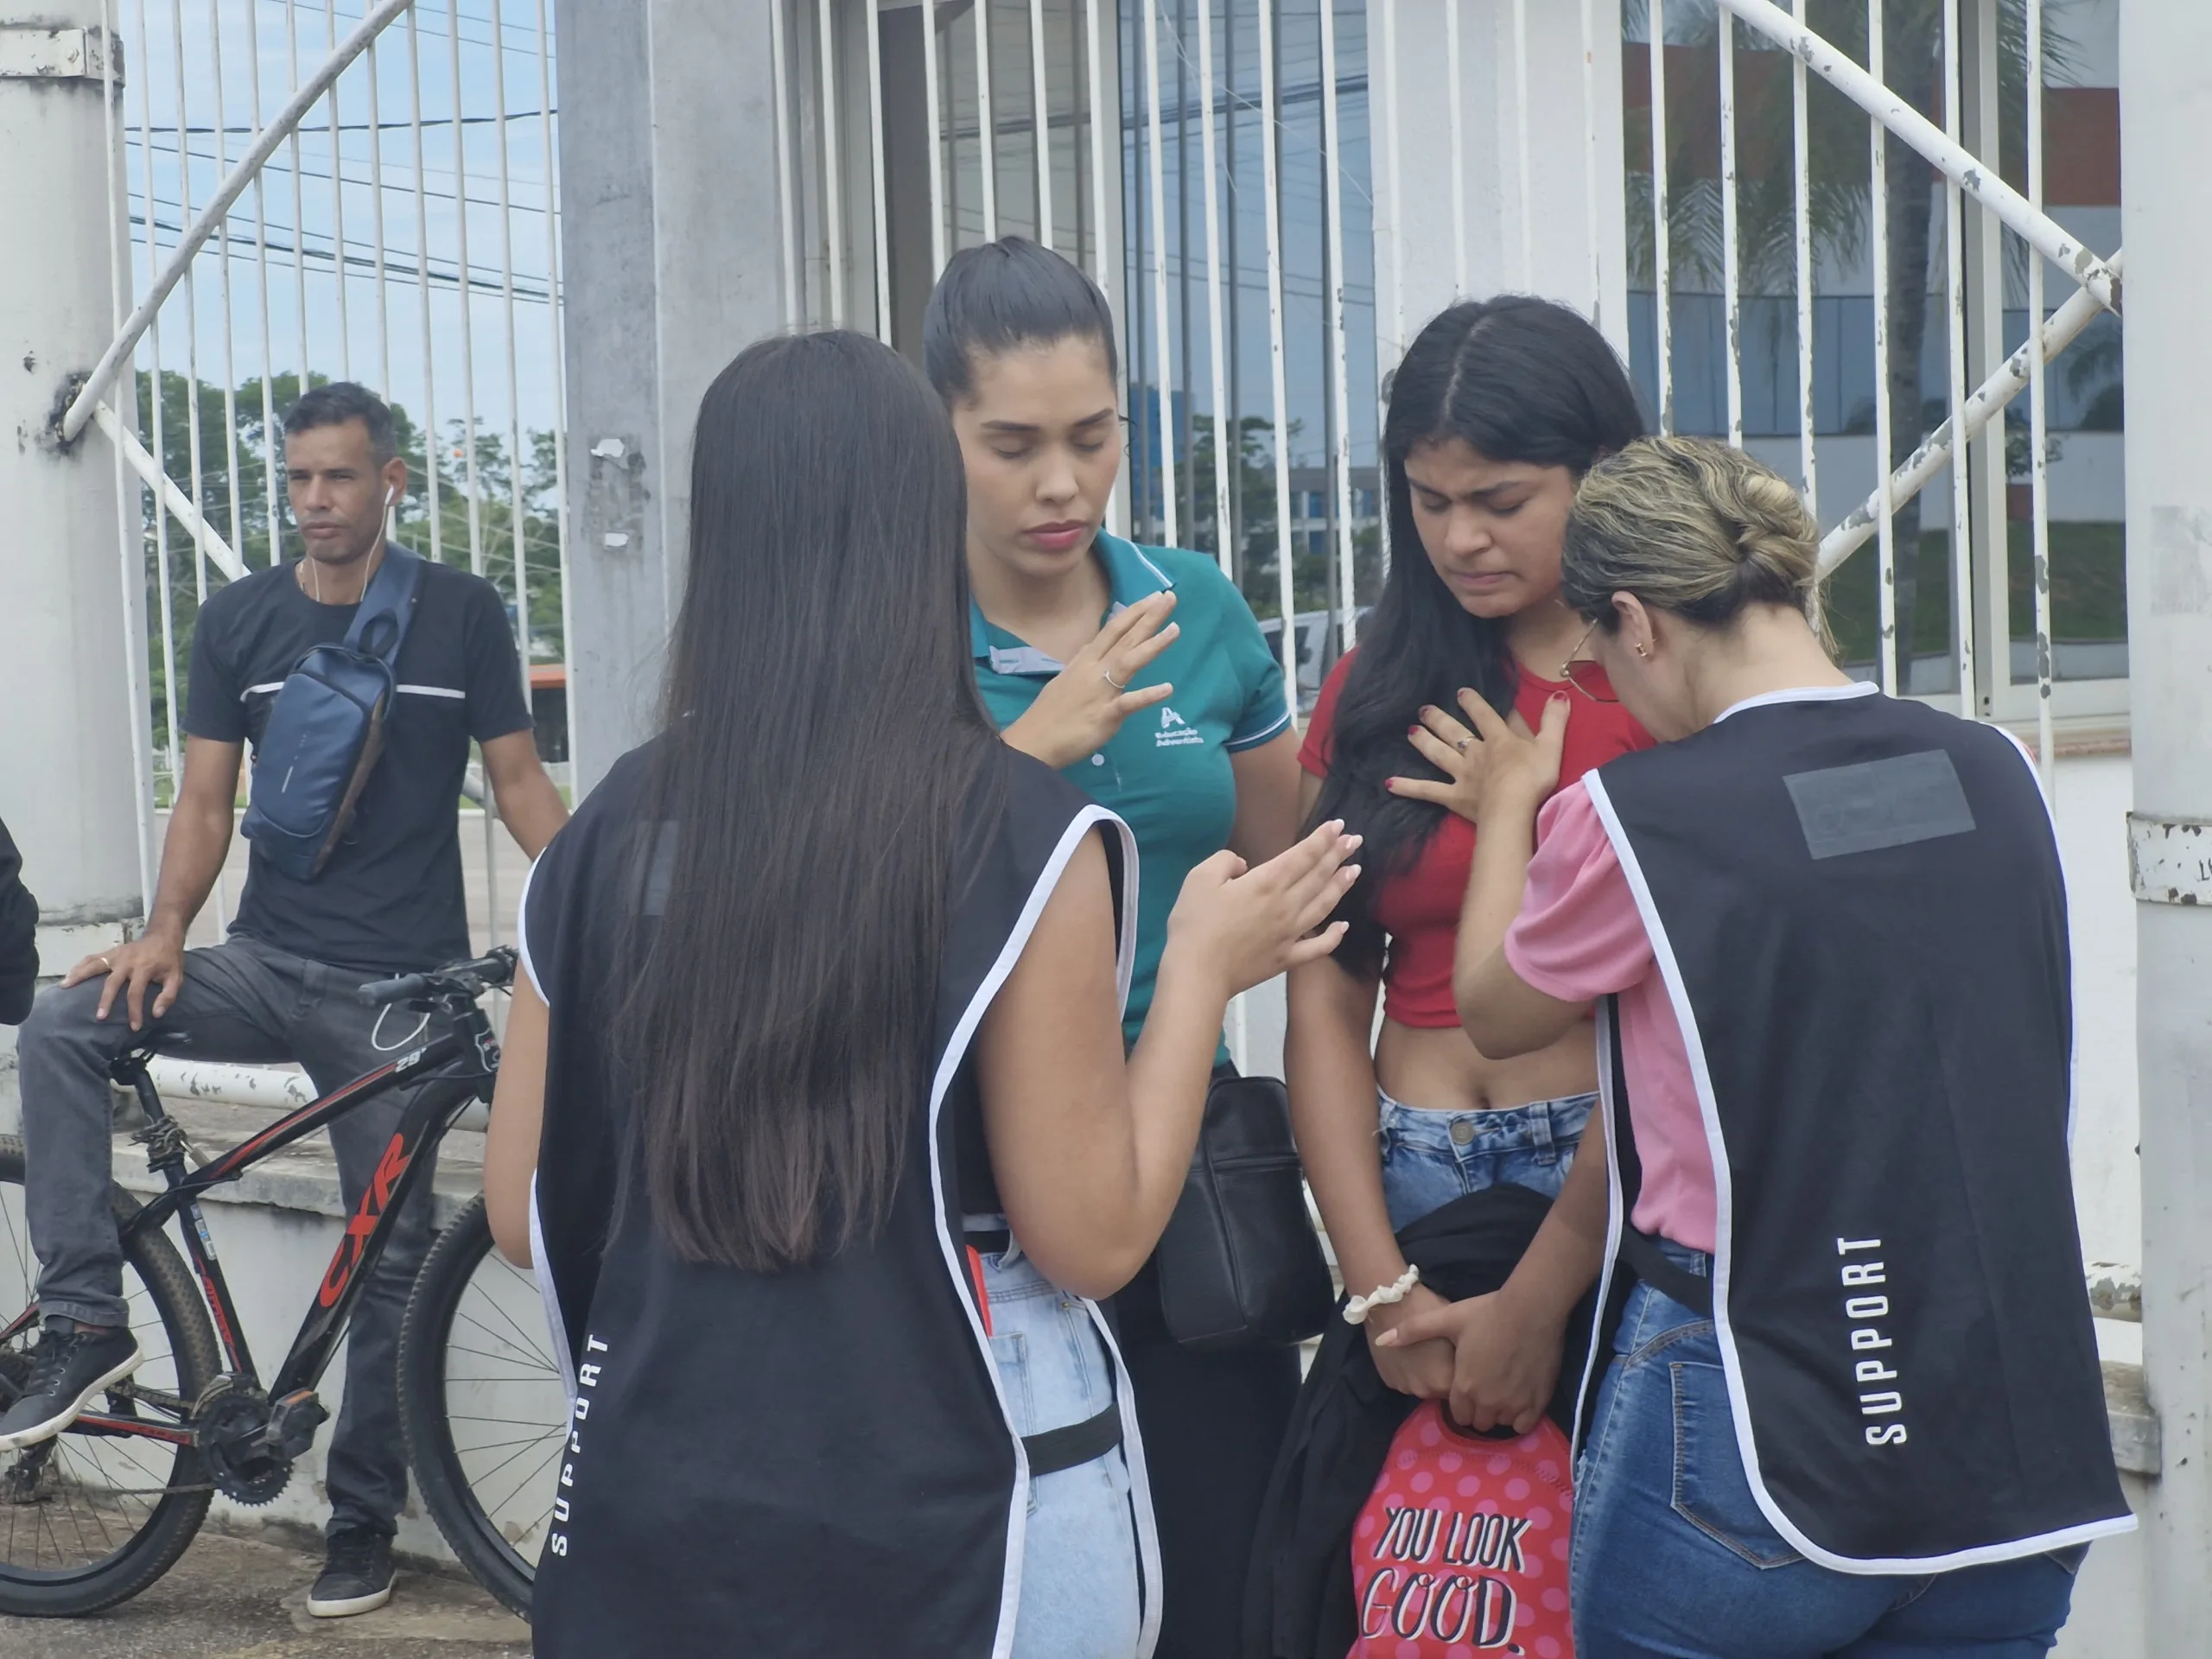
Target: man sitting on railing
column 386, row 897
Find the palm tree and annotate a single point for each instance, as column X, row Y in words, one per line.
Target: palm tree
column 1839, row 191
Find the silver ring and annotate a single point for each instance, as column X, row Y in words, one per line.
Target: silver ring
column 105, row 963
column 1119, row 685
column 1461, row 745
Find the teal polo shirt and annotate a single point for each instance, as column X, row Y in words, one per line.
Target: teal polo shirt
column 1167, row 773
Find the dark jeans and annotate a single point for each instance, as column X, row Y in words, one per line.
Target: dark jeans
column 242, row 1001
column 1213, row 1425
column 1671, row 1555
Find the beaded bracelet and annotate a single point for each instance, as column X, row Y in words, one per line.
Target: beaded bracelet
column 1357, row 1309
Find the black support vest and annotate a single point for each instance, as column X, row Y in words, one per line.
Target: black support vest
column 797, row 1464
column 1857, row 908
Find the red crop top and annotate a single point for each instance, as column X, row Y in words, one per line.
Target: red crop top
column 1418, row 910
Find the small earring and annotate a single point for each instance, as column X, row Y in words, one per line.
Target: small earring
column 1641, row 652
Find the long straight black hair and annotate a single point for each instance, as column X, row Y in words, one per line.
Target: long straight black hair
column 822, row 743
column 1519, row 379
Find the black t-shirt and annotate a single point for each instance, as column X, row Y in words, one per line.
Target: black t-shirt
column 390, row 900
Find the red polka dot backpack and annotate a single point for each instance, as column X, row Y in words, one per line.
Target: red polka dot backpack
column 1461, row 1549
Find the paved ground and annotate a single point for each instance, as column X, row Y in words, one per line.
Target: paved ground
column 234, row 1598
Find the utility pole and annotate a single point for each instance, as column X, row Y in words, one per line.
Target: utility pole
column 671, row 248
column 2165, row 109
column 74, row 785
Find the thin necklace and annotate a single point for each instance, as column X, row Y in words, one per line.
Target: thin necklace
column 315, row 572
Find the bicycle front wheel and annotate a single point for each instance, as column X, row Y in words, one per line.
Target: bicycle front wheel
column 91, row 1518
column 486, row 1411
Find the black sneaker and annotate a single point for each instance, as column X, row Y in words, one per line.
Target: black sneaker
column 70, row 1364
column 356, row 1574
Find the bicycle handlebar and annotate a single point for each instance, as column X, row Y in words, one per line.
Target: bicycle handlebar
column 489, row 972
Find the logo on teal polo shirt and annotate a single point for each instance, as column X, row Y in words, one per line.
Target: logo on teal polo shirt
column 1174, row 731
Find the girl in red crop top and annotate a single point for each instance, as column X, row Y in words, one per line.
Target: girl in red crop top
column 1499, row 409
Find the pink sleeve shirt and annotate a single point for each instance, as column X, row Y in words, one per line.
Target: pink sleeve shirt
column 1581, row 937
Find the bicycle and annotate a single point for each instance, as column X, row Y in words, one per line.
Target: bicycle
column 91, row 1517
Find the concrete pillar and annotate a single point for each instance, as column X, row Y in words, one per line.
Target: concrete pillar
column 671, row 249
column 2165, row 109
column 1416, row 249
column 75, row 794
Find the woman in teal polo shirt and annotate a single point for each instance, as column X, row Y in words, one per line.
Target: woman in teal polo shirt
column 1142, row 674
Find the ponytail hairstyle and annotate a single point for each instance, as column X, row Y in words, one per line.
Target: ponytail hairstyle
column 1691, row 527
column 823, row 744
column 1517, row 379
column 1000, row 297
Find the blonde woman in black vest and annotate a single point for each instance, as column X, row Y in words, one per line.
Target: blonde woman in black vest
column 1853, row 1406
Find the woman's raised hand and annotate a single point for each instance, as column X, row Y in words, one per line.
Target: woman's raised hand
column 1488, row 758
column 1244, row 925
column 1085, row 703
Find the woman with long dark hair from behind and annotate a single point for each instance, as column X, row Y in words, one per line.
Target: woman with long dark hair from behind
column 816, row 974
column 1142, row 675
column 1498, row 410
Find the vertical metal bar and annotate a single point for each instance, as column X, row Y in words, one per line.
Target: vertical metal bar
column 1186, row 377
column 779, row 69
column 553, row 308
column 223, row 270
column 268, row 486
column 1954, row 309
column 1801, row 191
column 876, row 202
column 1730, row 255
column 299, row 197
column 1272, row 169
column 468, row 302
column 987, row 127
column 337, row 193
column 1100, row 272
column 376, row 205
column 473, row 484
column 129, row 510
column 833, row 207
column 518, row 544
column 2039, row 421
column 1042, row 122
column 1391, row 106
column 1454, row 98
column 1332, row 210
column 1590, row 163
column 1662, row 252
column 1895, row 676
column 1164, row 357
column 1527, row 207
column 1224, row 422
column 155, row 425
column 936, row 133
column 430, row 437
column 193, row 444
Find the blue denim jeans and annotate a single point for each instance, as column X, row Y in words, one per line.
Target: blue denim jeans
column 1079, row 1576
column 1431, row 1158
column 1673, row 1557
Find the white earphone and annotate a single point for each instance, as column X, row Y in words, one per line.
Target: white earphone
column 389, row 496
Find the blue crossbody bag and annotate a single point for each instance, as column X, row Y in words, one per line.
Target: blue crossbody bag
column 327, row 728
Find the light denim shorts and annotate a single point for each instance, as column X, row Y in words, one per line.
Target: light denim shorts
column 1431, row 1158
column 1079, row 1572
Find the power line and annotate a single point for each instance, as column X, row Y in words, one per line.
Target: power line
column 422, row 271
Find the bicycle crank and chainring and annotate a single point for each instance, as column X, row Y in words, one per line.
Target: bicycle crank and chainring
column 231, row 1420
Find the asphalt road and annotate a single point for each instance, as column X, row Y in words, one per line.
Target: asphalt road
column 245, row 1599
